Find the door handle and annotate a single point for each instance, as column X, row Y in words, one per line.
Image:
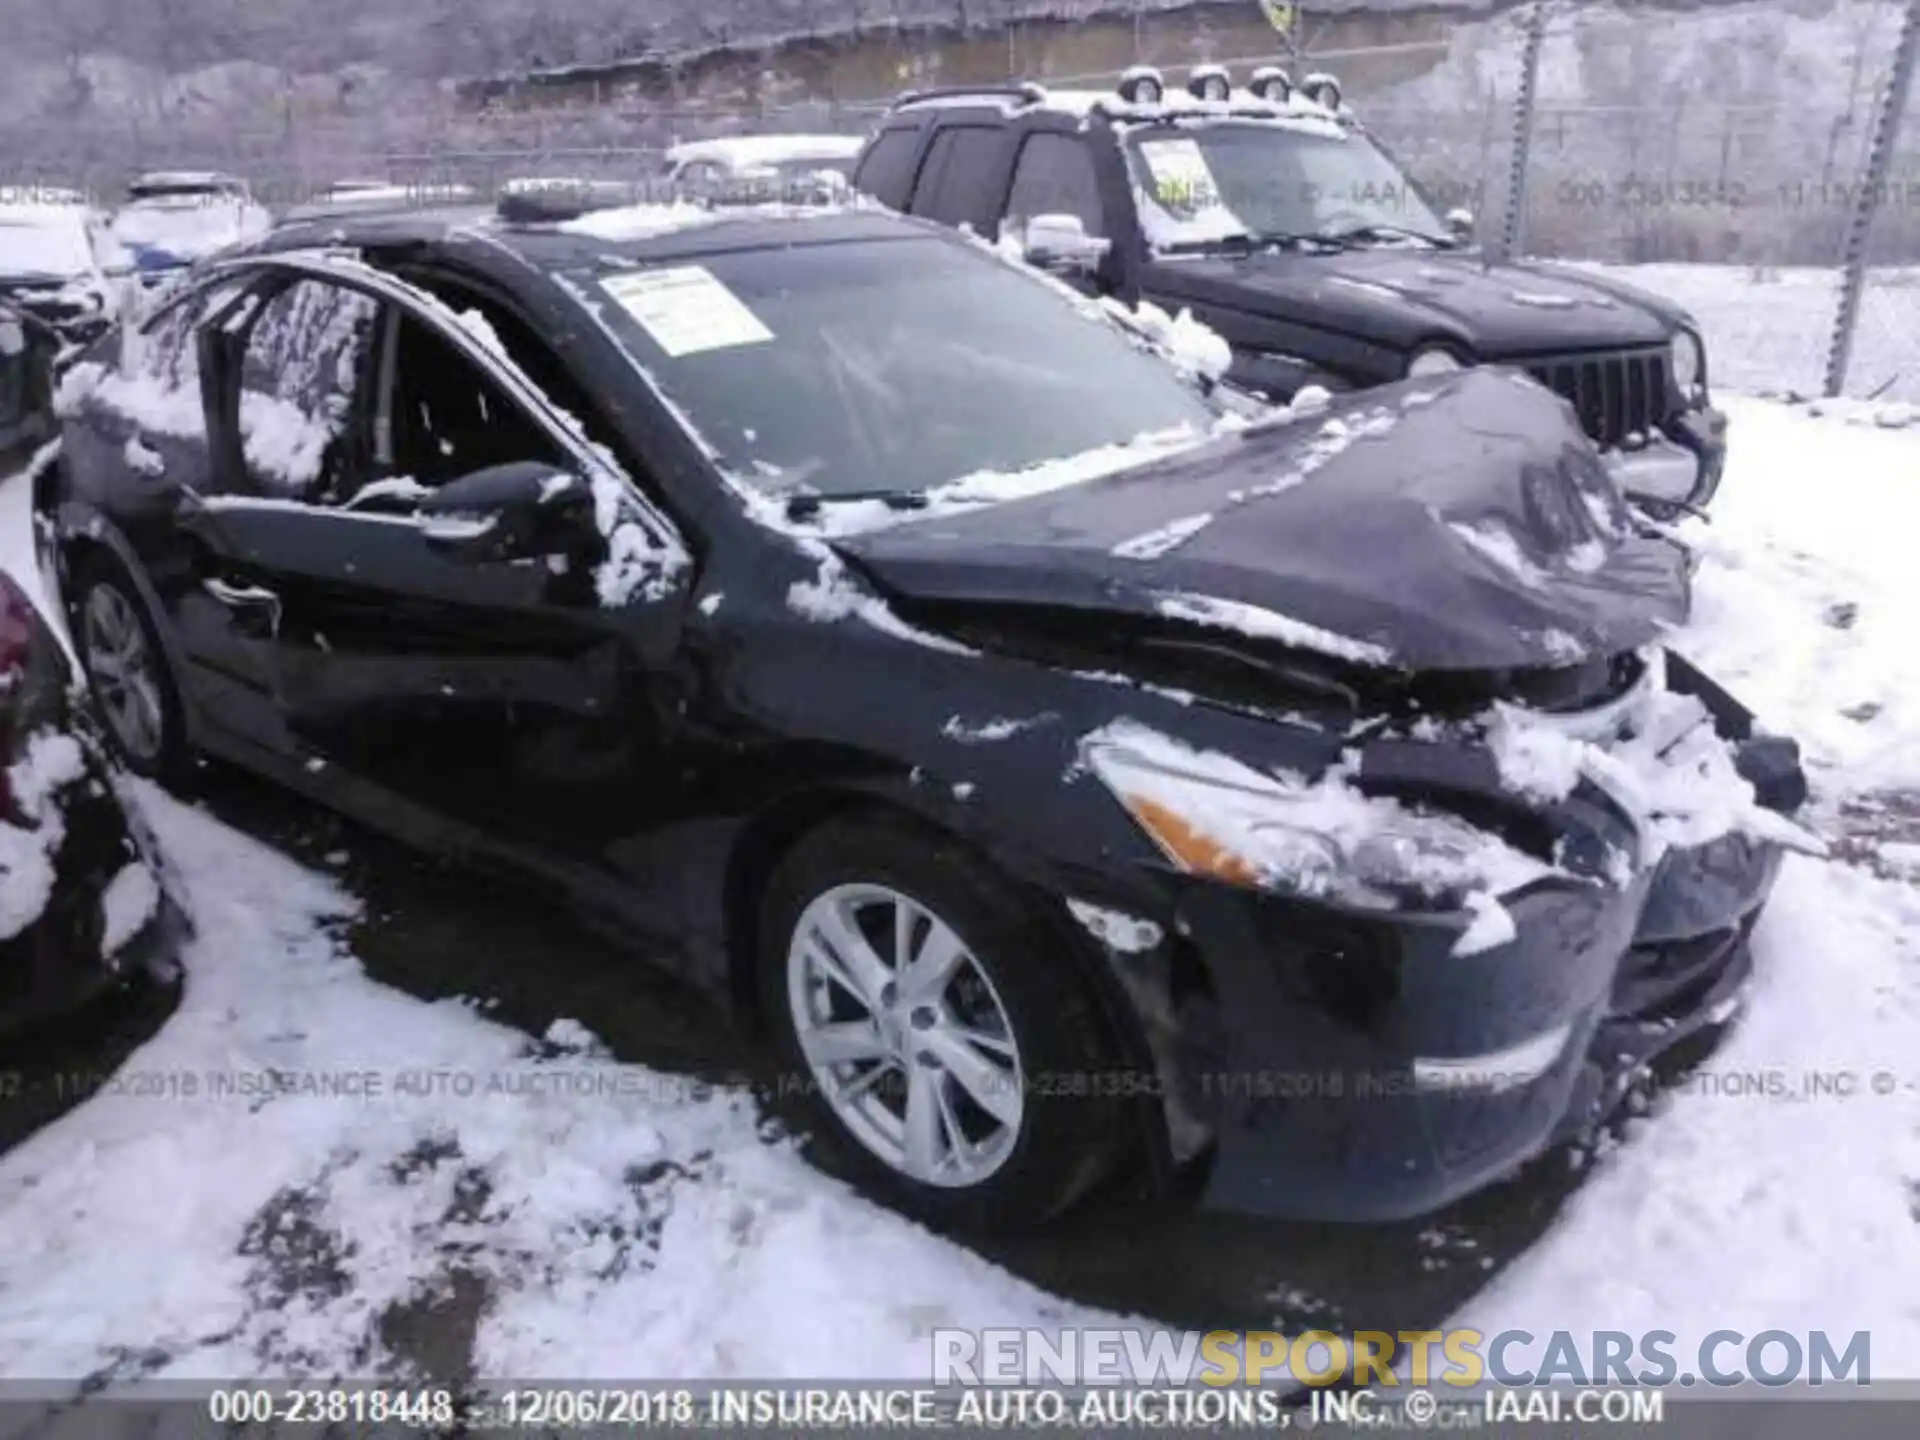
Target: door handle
column 239, row 597
column 256, row 612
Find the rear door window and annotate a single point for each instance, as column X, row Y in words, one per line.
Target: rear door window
column 961, row 183
column 303, row 377
column 167, row 351
column 886, row 171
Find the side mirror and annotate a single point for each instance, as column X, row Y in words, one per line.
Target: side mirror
column 1460, row 225
column 525, row 510
column 1061, row 243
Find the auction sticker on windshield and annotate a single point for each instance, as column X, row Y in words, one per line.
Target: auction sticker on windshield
column 1181, row 175
column 686, row 309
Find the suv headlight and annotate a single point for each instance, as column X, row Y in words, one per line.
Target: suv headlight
column 1212, row 815
column 1689, row 363
column 1433, row 361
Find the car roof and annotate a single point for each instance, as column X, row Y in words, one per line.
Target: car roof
column 746, row 150
column 639, row 234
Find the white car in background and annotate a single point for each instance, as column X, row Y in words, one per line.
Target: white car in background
column 748, row 168
column 171, row 219
column 59, row 263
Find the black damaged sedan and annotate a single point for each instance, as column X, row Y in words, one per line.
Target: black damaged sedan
column 1073, row 768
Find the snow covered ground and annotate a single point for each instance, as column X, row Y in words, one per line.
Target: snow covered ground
column 570, row 1215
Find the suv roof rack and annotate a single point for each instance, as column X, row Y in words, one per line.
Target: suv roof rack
column 1028, row 91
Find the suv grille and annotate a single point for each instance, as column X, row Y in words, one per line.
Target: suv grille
column 1614, row 394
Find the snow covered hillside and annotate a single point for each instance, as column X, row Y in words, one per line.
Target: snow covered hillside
column 543, row 1209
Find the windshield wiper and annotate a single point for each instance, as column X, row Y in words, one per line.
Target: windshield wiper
column 805, row 507
column 1362, row 233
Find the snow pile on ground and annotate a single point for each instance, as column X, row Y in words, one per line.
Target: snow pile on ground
column 1807, row 591
column 320, row 1159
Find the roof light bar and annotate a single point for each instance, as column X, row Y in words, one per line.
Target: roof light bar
column 1210, row 82
column 1143, row 85
column 1322, row 89
column 1270, row 83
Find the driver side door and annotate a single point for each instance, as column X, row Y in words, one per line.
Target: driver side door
column 490, row 688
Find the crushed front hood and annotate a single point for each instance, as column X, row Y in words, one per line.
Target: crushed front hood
column 1461, row 523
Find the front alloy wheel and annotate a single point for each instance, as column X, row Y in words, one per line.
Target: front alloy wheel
column 947, row 1047
column 131, row 685
column 904, row 1035
column 122, row 666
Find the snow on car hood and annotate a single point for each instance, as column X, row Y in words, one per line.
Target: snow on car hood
column 1408, row 297
column 1462, row 523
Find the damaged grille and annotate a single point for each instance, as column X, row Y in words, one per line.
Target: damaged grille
column 1552, row 690
column 1615, row 394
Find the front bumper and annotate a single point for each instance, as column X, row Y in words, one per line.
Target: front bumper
column 1319, row 1063
column 1681, row 468
column 1323, row 1116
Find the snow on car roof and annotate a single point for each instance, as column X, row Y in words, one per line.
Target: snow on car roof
column 741, row 151
column 1083, row 103
column 184, row 179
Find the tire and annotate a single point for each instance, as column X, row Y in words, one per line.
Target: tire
column 1042, row 1140
column 158, row 750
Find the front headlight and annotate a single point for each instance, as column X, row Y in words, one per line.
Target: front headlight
column 1212, row 815
column 1433, row 361
column 1689, row 364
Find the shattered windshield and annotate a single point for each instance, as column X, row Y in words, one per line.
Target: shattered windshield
column 1264, row 180
column 887, row 368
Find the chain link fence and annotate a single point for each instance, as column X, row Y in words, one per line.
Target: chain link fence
column 1744, row 163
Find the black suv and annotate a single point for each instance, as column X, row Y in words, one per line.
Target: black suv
column 1283, row 225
